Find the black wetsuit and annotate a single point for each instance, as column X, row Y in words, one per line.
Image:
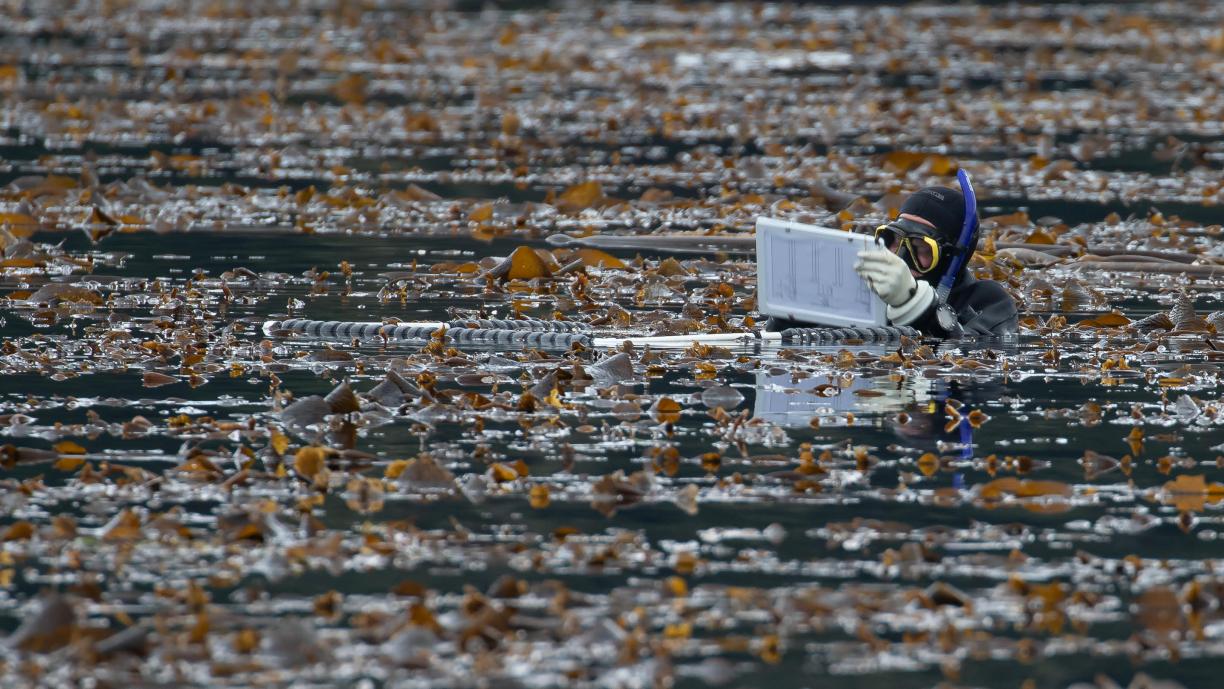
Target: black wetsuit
column 983, row 308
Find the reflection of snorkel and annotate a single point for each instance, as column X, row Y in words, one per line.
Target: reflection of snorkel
column 966, row 439
column 944, row 313
column 964, row 430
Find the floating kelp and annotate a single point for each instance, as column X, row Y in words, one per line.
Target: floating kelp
column 189, row 496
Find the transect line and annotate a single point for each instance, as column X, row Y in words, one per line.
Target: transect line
column 563, row 334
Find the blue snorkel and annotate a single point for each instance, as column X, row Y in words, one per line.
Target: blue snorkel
column 944, row 313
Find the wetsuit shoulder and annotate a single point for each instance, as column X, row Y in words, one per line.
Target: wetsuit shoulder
column 984, row 307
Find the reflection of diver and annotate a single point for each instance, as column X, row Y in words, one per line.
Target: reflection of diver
column 786, row 401
column 914, row 408
column 928, row 423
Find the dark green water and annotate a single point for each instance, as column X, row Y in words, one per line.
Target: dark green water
column 831, row 578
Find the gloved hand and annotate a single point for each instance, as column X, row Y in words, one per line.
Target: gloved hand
column 907, row 297
column 887, row 275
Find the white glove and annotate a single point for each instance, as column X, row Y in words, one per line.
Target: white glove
column 888, row 276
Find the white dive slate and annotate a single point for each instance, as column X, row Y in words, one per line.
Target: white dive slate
column 807, row 273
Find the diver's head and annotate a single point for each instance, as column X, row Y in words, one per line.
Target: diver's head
column 926, row 232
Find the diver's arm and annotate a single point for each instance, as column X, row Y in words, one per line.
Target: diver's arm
column 927, row 323
column 920, row 302
column 777, row 324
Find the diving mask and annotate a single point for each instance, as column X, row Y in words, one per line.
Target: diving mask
column 922, row 251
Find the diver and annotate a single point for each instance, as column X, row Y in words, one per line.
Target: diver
column 922, row 271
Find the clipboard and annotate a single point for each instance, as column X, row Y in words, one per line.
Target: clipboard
column 806, row 273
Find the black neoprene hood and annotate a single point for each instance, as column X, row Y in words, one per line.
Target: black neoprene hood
column 942, row 207
column 945, row 209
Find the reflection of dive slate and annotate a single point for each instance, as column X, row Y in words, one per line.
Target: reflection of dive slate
column 807, row 273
